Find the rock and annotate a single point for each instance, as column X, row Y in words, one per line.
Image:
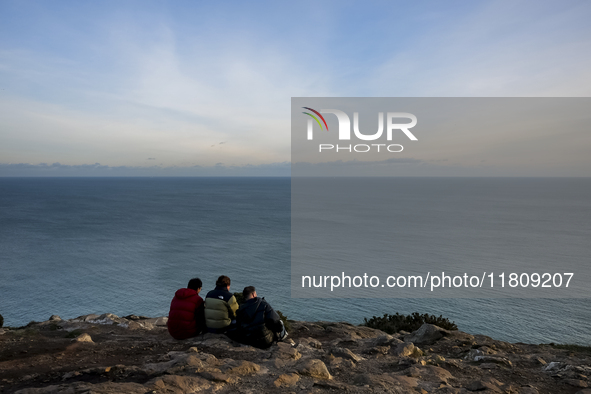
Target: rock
column 70, row 375
column 55, row 318
column 472, row 354
column 286, row 380
column 316, row 369
column 311, row 342
column 383, row 340
column 84, row 338
column 554, row 366
column 576, row 383
column 494, row 359
column 190, row 360
column 88, row 318
column 585, row 391
column 374, row 380
column 216, row 376
column 480, row 385
column 426, row 334
column 219, row 341
column 430, row 373
column 178, row 384
column 529, row 390
column 340, row 363
column 405, row 381
column 245, row 368
column 378, row 350
column 404, row 349
column 346, row 354
column 489, row 366
column 1, row 321
column 331, row 385
column 155, row 322
column 436, row 360
column 487, row 350
column 285, row 354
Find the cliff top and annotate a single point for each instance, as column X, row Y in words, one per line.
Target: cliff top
column 111, row 354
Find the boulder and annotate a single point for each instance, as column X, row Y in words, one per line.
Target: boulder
column 245, row 368
column 215, row 376
column 316, row 369
column 287, row 380
column 346, row 354
column 426, row 334
column 84, row 338
column 407, row 350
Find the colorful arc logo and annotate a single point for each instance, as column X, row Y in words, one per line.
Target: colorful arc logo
column 315, row 118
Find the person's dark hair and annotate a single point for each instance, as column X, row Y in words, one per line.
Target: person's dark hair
column 195, row 284
column 223, row 281
column 248, row 290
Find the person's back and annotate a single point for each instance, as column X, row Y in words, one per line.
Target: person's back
column 257, row 323
column 220, row 306
column 186, row 318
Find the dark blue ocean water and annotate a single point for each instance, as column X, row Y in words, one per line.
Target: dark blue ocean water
column 73, row 246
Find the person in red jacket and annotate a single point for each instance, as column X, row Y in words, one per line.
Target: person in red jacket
column 186, row 318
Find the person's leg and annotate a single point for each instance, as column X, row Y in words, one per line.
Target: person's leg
column 281, row 335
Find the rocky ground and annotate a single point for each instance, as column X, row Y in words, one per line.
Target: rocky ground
column 109, row 354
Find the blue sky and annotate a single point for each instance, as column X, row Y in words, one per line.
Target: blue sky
column 204, row 88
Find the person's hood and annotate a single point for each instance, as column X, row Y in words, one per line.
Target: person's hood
column 250, row 307
column 185, row 293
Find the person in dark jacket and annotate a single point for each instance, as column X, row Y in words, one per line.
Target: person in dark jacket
column 257, row 323
column 220, row 307
column 186, row 318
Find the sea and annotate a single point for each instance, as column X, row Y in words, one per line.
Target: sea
column 74, row 246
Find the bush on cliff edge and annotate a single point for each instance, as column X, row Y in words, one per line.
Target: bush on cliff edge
column 392, row 324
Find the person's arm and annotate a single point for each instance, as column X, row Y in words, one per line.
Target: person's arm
column 232, row 308
column 272, row 319
column 200, row 315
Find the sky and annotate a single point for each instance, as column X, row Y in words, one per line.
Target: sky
column 184, row 88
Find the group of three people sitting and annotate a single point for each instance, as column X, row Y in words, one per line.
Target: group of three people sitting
column 253, row 323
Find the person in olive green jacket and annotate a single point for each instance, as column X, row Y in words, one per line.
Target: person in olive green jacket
column 220, row 307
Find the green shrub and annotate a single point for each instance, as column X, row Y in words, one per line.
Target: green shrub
column 392, row 324
column 285, row 321
column 239, row 298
